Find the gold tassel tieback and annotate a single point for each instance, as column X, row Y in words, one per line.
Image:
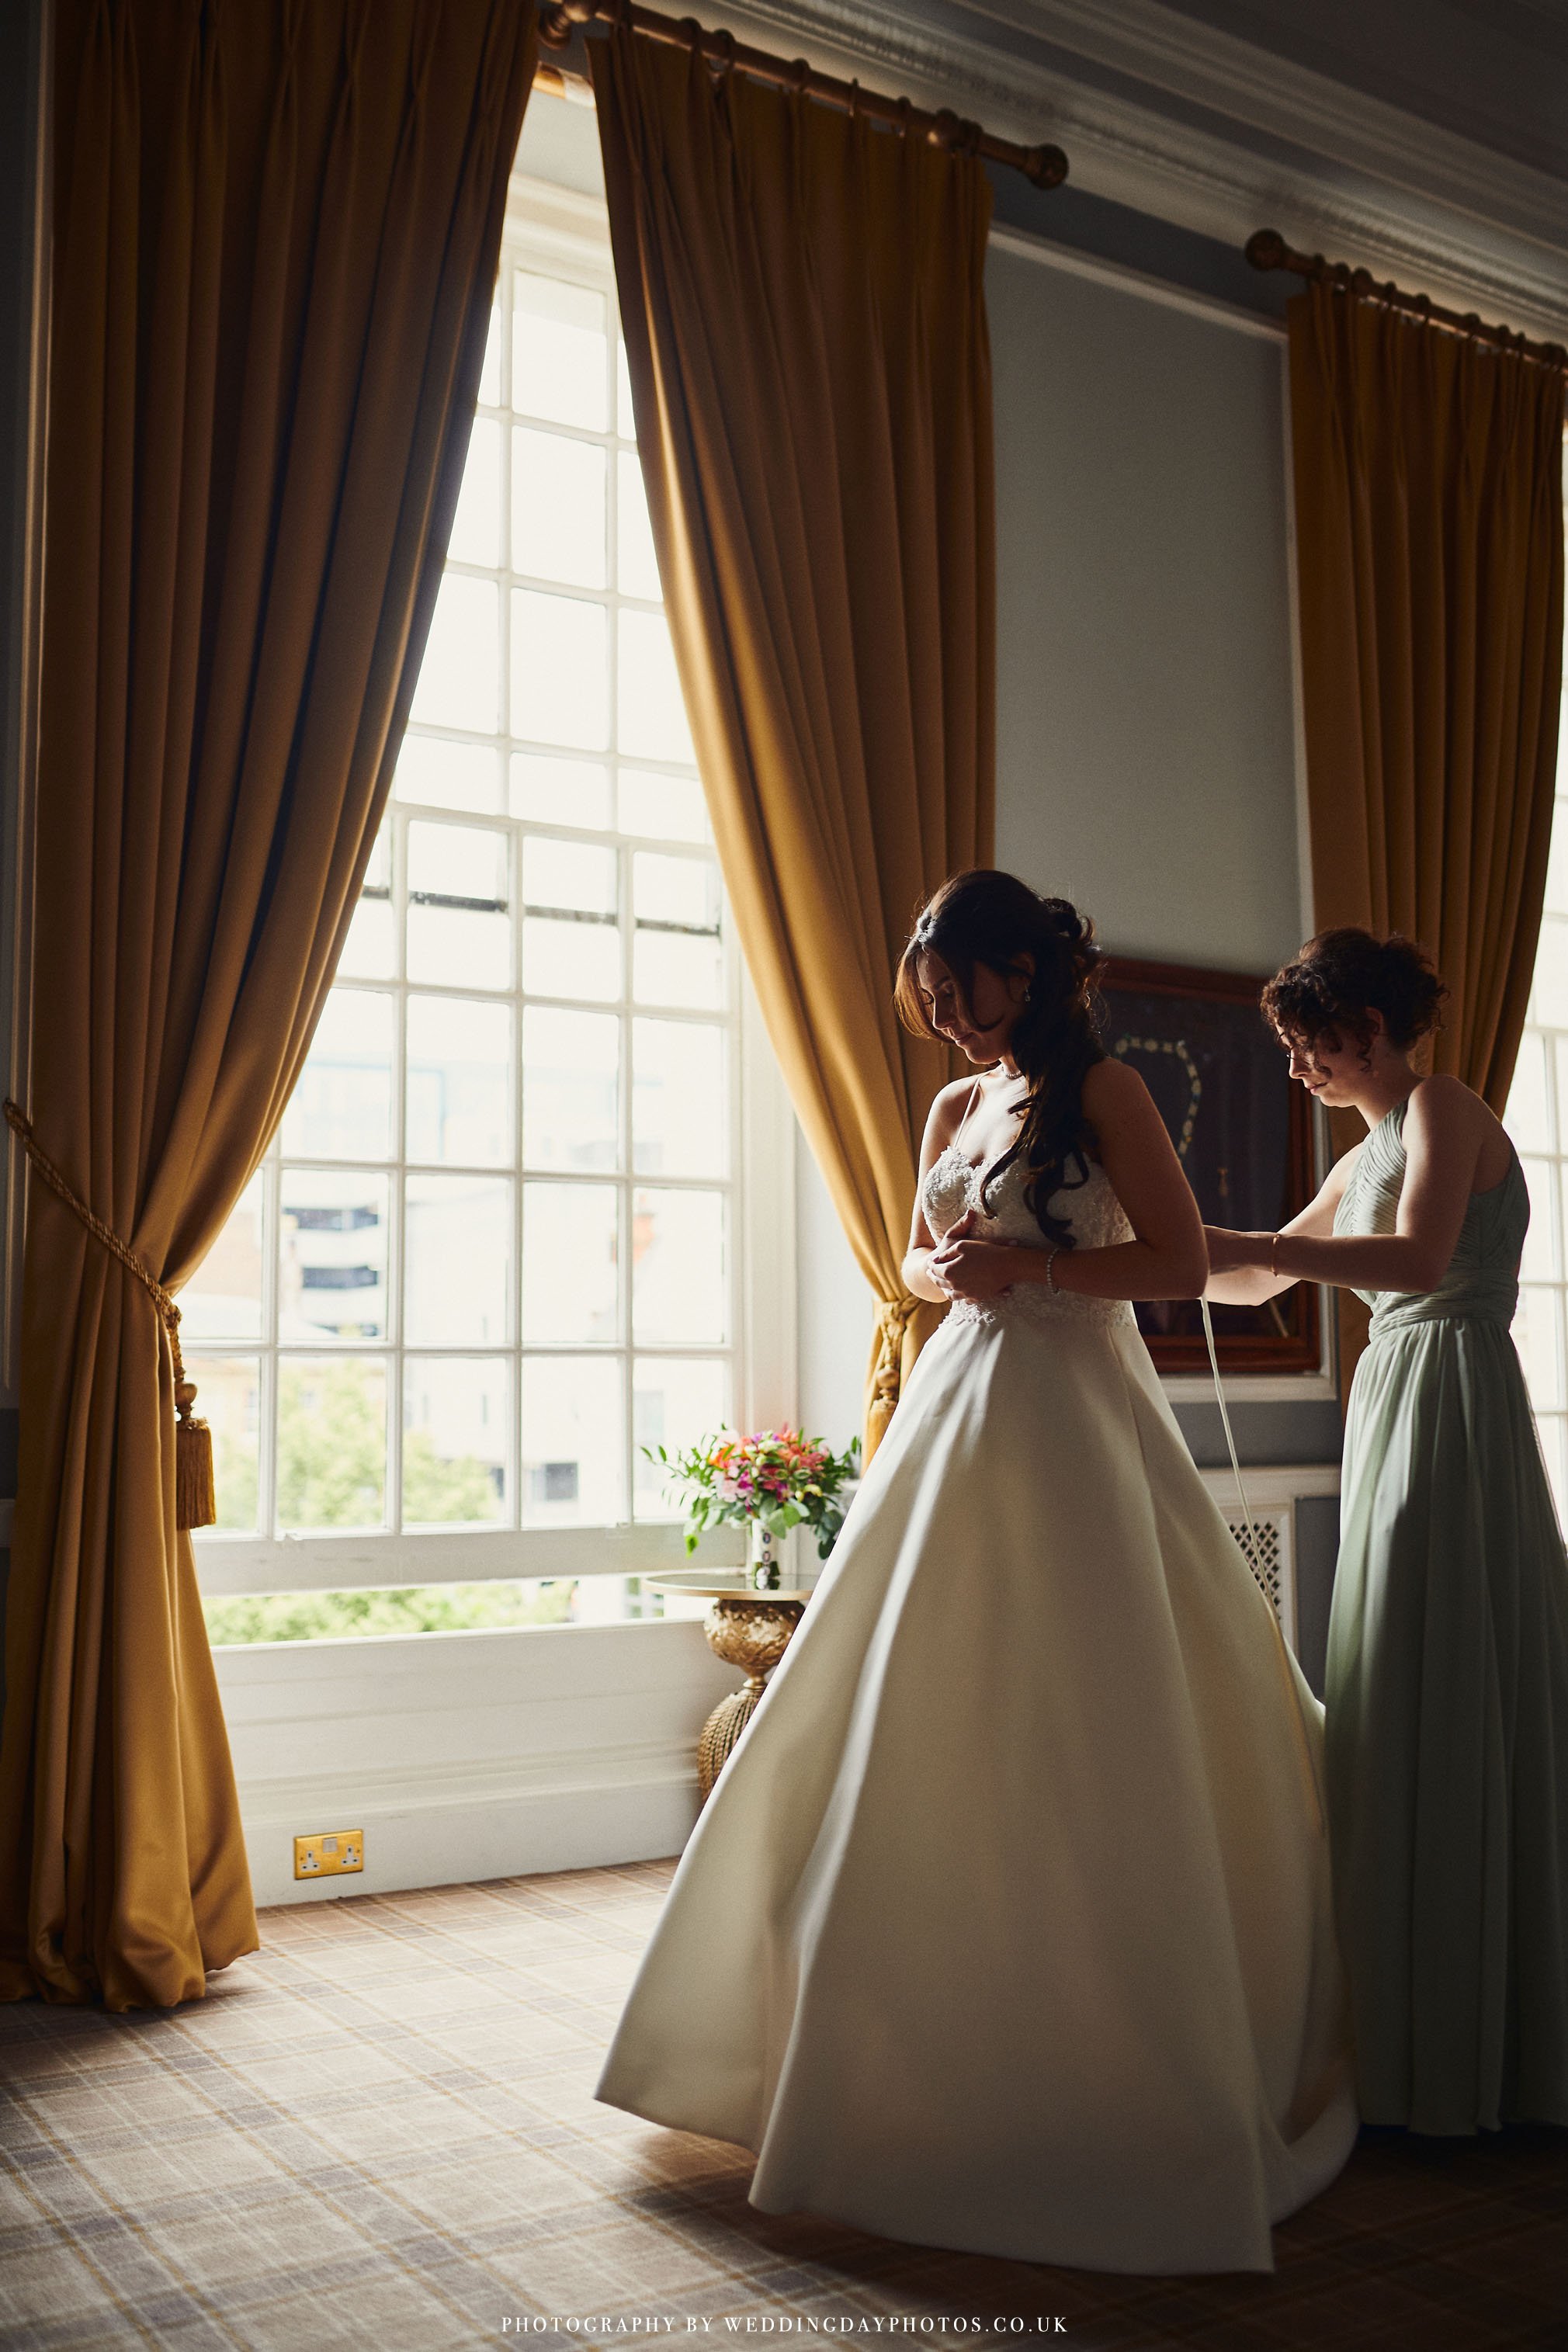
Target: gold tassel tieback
column 196, row 1502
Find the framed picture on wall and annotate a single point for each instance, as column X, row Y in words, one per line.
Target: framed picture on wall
column 1243, row 1134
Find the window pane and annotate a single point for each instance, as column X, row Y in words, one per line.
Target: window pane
column 557, row 508
column 573, row 1461
column 1549, row 997
column 458, row 928
column 578, row 952
column 449, row 775
column 228, row 1398
column 570, row 1286
column 671, row 806
column 222, row 1299
column 625, row 423
column 460, row 678
column 1527, row 1118
column 341, row 1107
column 678, row 1260
column 476, row 526
column 678, row 951
column 571, row 1089
column 650, row 716
column 637, row 566
column 560, row 791
column 332, row 1255
column 370, row 950
column 331, row 1442
column 1537, row 1337
column 1549, row 1428
column 559, row 674
column 575, row 874
column 1539, row 1261
column 568, row 958
column 558, row 351
column 459, row 1063
column 1557, row 864
column 489, row 375
column 680, row 1116
column 455, row 1419
column 674, row 1403
column 457, row 1258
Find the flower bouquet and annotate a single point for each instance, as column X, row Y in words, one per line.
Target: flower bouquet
column 773, row 1480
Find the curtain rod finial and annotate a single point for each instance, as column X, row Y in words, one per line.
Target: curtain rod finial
column 1046, row 167
column 1265, row 249
column 558, row 22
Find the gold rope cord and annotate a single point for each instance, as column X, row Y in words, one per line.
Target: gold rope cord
column 195, row 1504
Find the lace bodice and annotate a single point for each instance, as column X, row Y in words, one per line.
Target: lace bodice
column 1096, row 1216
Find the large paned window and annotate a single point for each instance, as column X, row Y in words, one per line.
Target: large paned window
column 1537, row 1118
column 494, row 1250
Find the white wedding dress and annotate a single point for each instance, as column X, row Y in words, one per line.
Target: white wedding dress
column 1008, row 1927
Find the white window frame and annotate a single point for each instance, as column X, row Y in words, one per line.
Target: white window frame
column 559, row 232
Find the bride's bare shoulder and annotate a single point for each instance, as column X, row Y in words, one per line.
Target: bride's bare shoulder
column 1109, row 1085
column 945, row 1115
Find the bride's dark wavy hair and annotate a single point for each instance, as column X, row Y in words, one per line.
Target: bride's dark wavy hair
column 991, row 918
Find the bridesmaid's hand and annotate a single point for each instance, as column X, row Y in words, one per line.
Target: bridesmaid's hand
column 967, row 1268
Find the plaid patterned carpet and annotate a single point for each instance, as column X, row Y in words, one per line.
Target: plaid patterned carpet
column 380, row 2132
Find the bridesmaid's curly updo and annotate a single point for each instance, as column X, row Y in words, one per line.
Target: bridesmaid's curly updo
column 991, row 918
column 1328, row 989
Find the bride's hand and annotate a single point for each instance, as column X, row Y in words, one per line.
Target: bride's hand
column 967, row 1268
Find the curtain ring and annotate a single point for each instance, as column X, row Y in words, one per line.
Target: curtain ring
column 690, row 32
column 800, row 77
column 721, row 49
column 903, row 115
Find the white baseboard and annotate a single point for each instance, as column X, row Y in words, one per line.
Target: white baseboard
column 468, row 1756
column 458, row 1824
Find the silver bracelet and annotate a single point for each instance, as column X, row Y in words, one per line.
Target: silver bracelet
column 1051, row 1266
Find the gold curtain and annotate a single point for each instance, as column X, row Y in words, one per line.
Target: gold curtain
column 276, row 238
column 803, row 307
column 1428, row 473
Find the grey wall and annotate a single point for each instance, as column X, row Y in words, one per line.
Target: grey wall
column 1145, row 729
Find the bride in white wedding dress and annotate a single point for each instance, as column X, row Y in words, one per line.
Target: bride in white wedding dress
column 1008, row 1927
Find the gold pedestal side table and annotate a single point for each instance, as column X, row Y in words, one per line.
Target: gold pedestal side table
column 747, row 1628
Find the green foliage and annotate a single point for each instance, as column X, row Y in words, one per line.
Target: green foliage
column 332, row 1445
column 435, row 1489
column 412, row 1608
column 331, row 1456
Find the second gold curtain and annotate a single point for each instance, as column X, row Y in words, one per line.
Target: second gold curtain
column 1428, row 470
column 803, row 300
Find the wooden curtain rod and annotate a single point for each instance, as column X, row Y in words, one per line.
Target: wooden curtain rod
column 1046, row 166
column 1266, row 249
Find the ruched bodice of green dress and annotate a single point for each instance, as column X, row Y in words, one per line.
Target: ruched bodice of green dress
column 1447, row 1691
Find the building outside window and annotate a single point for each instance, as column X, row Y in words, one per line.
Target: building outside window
column 494, row 1250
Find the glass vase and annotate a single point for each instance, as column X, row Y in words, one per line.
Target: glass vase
column 763, row 1559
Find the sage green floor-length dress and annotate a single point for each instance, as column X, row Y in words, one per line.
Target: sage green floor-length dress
column 1447, row 1691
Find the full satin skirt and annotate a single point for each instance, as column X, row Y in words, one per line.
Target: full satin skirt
column 1008, row 1924
column 1447, row 1736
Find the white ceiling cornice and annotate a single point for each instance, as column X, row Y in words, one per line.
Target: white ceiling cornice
column 1283, row 147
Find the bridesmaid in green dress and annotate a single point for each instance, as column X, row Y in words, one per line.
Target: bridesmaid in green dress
column 1447, row 1684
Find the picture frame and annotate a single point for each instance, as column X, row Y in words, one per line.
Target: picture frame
column 1244, row 1136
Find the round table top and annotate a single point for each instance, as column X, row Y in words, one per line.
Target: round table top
column 724, row 1584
